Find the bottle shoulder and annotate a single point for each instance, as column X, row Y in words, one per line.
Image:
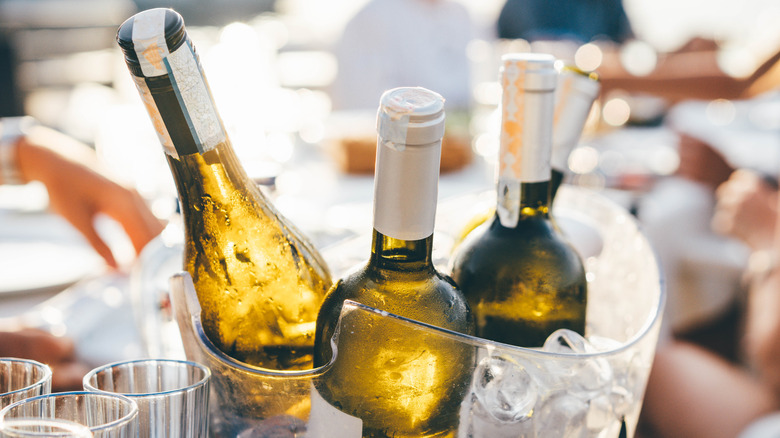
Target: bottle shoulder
column 530, row 234
column 494, row 252
column 426, row 296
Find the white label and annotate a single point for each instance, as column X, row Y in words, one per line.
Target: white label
column 325, row 421
column 195, row 99
column 406, row 189
column 508, row 209
column 149, row 42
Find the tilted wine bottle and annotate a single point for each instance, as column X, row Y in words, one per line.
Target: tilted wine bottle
column 574, row 96
column 398, row 384
column 521, row 279
column 259, row 282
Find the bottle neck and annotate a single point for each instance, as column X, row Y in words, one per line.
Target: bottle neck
column 406, row 183
column 574, row 97
column 524, row 158
column 181, row 105
column 216, row 171
column 388, row 253
column 521, row 200
column 556, row 179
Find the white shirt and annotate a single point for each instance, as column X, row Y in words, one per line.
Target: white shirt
column 398, row 43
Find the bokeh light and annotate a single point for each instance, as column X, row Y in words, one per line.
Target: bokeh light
column 616, row 111
column 638, row 58
column 721, row 112
column 588, row 57
column 584, row 159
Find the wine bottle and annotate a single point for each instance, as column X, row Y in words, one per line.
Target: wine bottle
column 259, row 282
column 521, row 279
column 403, row 385
column 576, row 91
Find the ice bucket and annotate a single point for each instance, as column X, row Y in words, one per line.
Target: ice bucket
column 575, row 387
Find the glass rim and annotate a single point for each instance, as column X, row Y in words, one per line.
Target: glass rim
column 125, row 419
column 47, row 373
column 88, row 386
column 66, row 427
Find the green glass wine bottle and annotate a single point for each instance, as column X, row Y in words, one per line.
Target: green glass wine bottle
column 575, row 93
column 521, row 278
column 398, row 384
column 259, row 282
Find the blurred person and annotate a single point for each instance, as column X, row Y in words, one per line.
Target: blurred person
column 78, row 190
column 700, row 162
column 394, row 43
column 692, row 72
column 581, row 21
column 694, row 393
column 702, row 268
column 747, row 209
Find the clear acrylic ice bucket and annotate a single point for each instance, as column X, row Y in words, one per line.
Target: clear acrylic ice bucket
column 575, row 387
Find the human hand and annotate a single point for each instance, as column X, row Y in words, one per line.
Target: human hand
column 746, row 208
column 79, row 191
column 57, row 352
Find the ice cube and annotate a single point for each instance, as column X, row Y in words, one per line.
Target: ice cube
column 505, row 389
column 591, row 374
column 562, row 415
column 567, row 341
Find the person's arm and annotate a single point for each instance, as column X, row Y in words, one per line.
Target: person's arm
column 747, row 209
column 762, row 327
column 79, row 191
column 694, row 393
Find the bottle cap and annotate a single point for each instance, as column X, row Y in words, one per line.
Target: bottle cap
column 585, row 83
column 148, row 37
column 529, row 71
column 410, row 123
column 410, row 116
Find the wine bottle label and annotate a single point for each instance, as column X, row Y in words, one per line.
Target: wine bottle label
column 197, row 103
column 325, row 421
column 187, row 80
column 149, row 42
column 406, row 189
column 508, row 206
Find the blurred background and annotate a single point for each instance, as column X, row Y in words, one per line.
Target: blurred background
column 58, row 51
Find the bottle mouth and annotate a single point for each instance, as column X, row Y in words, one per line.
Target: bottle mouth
column 529, row 71
column 172, row 32
column 411, row 116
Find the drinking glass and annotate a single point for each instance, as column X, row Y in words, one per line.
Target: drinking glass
column 106, row 415
column 21, row 379
column 42, row 427
column 172, row 395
